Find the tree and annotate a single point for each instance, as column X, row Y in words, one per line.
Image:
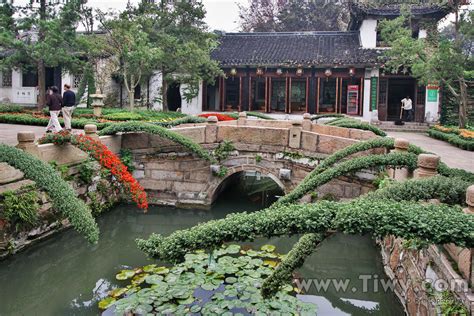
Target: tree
column 436, row 59
column 39, row 38
column 179, row 32
column 132, row 54
column 295, row 15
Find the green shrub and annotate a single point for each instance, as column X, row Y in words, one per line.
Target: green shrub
column 62, row 195
column 437, row 224
column 126, row 157
column 351, row 123
column 185, row 120
column 9, row 108
column 130, row 127
column 311, row 182
column 28, row 119
column 453, row 139
column 124, row 116
column 223, row 150
column 20, row 209
column 293, row 260
column 260, row 115
column 317, row 117
column 86, row 172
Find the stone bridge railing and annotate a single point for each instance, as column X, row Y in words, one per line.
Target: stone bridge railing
column 173, row 176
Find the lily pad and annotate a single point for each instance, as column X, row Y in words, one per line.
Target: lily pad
column 118, row 292
column 125, row 274
column 268, row 248
column 233, row 249
column 161, row 270
column 154, row 279
column 230, row 280
column 107, row 302
column 270, row 263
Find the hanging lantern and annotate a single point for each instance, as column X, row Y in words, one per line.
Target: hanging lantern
column 328, row 73
column 279, row 71
column 299, row 71
column 233, row 72
column 259, row 71
column 352, row 71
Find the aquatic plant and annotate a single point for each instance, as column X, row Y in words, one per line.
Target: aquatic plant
column 225, row 282
column 61, row 193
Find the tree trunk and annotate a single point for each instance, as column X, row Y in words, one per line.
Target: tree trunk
column 462, row 103
column 164, row 91
column 131, row 99
column 41, row 84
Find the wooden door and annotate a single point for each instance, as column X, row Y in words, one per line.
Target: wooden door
column 420, row 104
column 382, row 100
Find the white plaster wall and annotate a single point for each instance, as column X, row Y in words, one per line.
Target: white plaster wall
column 156, row 83
column 5, row 94
column 193, row 106
column 431, row 110
column 369, row 115
column 68, row 78
column 20, row 94
column 422, row 34
column 368, row 33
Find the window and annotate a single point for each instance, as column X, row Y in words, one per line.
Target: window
column 76, row 80
column 30, row 79
column 6, row 78
column 137, row 93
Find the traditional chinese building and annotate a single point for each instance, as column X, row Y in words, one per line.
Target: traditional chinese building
column 320, row 72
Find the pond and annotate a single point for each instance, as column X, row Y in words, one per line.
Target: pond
column 66, row 276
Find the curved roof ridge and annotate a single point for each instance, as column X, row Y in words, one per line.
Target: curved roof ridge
column 291, row 33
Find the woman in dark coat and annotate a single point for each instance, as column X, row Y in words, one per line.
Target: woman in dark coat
column 55, row 102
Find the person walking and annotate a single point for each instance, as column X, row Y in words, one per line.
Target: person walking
column 55, row 102
column 69, row 102
column 407, row 106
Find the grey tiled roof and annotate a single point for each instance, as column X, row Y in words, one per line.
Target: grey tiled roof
column 293, row 48
column 417, row 10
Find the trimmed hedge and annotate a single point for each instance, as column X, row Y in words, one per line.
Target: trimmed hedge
column 317, row 117
column 351, row 123
column 185, row 120
column 260, row 115
column 448, row 190
column 293, row 260
column 437, row 224
column 62, row 195
column 133, row 127
column 310, row 183
column 11, row 108
column 28, row 119
column 453, row 139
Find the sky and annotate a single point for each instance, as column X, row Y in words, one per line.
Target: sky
column 221, row 14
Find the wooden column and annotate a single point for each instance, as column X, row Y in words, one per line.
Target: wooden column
column 361, row 96
column 307, row 95
column 240, row 94
column 289, row 96
column 337, row 94
column 318, row 82
column 269, row 94
column 221, row 93
column 286, row 95
column 250, row 93
column 204, row 105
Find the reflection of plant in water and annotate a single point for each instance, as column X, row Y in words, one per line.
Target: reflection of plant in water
column 226, row 282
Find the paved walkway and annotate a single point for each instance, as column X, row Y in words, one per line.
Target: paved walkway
column 8, row 132
column 451, row 155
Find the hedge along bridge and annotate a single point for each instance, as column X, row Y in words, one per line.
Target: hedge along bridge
column 285, row 151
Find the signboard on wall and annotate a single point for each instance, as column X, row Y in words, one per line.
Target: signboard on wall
column 25, row 95
column 373, row 93
column 432, row 93
column 352, row 99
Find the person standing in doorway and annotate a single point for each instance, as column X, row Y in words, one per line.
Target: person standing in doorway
column 407, row 106
column 69, row 100
column 55, row 102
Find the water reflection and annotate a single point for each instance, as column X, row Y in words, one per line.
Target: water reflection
column 66, row 276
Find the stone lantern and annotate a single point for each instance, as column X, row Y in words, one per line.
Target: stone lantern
column 97, row 103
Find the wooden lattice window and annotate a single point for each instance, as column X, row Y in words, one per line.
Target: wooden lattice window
column 383, row 91
column 420, row 95
column 76, row 80
column 7, row 78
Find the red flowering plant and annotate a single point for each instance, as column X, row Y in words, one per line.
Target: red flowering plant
column 220, row 117
column 107, row 159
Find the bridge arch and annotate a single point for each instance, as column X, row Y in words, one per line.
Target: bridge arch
column 218, row 184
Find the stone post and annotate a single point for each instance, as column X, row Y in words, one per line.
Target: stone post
column 211, row 130
column 401, row 145
column 97, row 103
column 242, row 121
column 427, row 166
column 26, row 142
column 295, row 135
column 306, row 122
column 91, row 131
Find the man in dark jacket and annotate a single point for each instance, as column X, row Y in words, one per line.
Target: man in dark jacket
column 69, row 101
column 55, row 103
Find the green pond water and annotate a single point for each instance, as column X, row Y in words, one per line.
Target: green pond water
column 66, row 276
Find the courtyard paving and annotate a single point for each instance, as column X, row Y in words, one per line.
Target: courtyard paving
column 8, row 132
